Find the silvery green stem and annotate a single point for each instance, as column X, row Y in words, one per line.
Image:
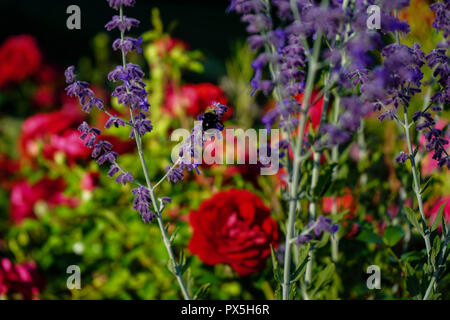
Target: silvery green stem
column 334, row 159
column 363, row 152
column 156, row 207
column 417, row 187
column 312, row 213
column 293, row 194
column 315, row 179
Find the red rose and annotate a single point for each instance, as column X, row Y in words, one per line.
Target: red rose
column 20, row 280
column 54, row 132
column 194, row 99
column 20, row 58
column 24, row 196
column 233, row 227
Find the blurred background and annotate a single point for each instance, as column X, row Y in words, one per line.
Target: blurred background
column 203, row 24
column 58, row 207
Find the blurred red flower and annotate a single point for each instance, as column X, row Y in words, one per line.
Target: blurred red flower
column 194, row 99
column 166, row 44
column 344, row 202
column 315, row 111
column 48, row 74
column 233, row 227
column 90, row 180
column 20, row 58
column 54, row 131
column 20, row 280
column 44, row 96
column 9, row 168
column 24, row 196
column 432, row 210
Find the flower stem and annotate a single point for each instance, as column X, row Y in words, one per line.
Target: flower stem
column 417, row 188
column 294, row 186
column 312, row 213
column 164, row 235
column 335, row 159
column 156, row 207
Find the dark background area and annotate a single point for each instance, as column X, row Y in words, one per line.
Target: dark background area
column 205, row 25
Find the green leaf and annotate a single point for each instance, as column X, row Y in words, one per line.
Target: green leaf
column 278, row 293
column 302, row 262
column 324, row 181
column 323, row 241
column 292, row 291
column 444, row 225
column 426, row 185
column 369, row 236
column 435, row 249
column 412, row 256
column 183, row 264
column 438, row 218
column 202, row 292
column 392, row 235
column 323, row 278
column 276, row 266
column 174, row 235
column 412, row 281
column 171, row 267
column 412, row 218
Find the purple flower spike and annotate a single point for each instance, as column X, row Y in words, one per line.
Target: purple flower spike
column 114, row 121
column 175, row 175
column 402, row 157
column 116, row 4
column 113, row 170
column 124, row 178
column 70, row 76
column 325, row 225
column 304, row 239
column 141, row 204
column 124, row 25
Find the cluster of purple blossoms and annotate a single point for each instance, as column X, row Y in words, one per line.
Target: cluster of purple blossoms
column 116, row 4
column 124, row 24
column 81, row 90
column 142, row 203
column 130, row 93
column 442, row 20
column 399, row 78
column 102, row 151
column 285, row 51
column 317, row 228
column 190, row 151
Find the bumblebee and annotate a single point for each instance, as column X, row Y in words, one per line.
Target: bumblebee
column 210, row 120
